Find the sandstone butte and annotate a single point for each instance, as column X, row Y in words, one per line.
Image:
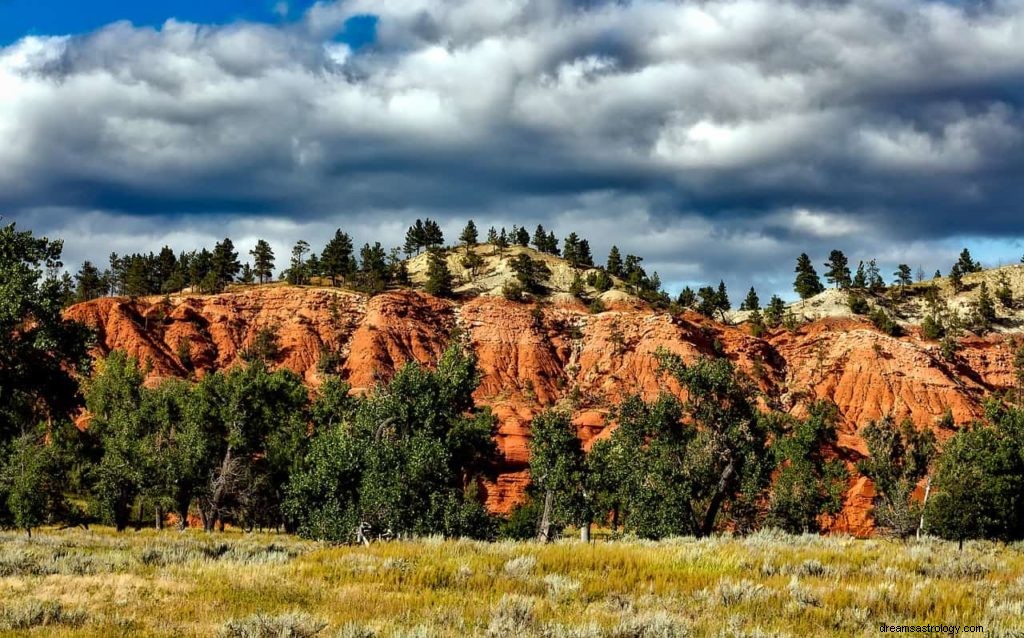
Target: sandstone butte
column 563, row 356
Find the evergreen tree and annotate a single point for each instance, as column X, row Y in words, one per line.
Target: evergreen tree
column 540, row 239
column 583, row 254
column 1003, row 291
column 570, row 251
column 903, row 277
column 752, row 301
column 775, row 311
column 956, row 279
column 297, row 274
column 860, row 280
column 432, row 235
column 468, row 238
column 967, row 263
column 492, row 236
column 522, row 237
column 415, row 238
column 687, row 298
column 838, row 271
column 247, row 277
column 807, row 283
column 225, row 263
column 336, row 261
column 985, row 308
column 875, row 282
column 552, row 244
column 531, row 274
column 614, row 265
column 91, row 283
column 263, row 261
column 439, row 278
column 373, row 269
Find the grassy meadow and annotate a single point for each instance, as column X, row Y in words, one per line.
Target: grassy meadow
column 148, row 583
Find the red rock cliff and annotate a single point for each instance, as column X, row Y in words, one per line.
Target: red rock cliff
column 531, row 359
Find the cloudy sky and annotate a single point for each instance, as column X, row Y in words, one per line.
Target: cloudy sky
column 717, row 138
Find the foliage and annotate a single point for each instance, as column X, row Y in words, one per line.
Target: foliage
column 439, row 277
column 838, row 272
column 807, row 283
column 899, row 456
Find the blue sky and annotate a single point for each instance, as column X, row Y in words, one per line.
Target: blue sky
column 717, row 139
column 19, row 18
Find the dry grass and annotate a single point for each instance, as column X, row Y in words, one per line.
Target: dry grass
column 97, row 583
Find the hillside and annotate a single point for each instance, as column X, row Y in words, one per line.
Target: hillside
column 559, row 354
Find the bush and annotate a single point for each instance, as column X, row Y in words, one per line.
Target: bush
column 885, row 323
column 512, row 290
column 35, row 613
column 858, row 304
column 932, row 328
column 596, row 306
column 289, row 625
column 513, row 616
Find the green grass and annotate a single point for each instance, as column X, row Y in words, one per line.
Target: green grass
column 98, row 583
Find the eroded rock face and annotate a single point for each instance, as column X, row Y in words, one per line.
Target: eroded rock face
column 531, row 359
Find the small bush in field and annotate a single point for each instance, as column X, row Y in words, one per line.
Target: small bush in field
column 289, row 625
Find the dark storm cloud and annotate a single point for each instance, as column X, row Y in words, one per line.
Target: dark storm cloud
column 717, row 138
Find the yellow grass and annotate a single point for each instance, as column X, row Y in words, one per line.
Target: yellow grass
column 98, row 583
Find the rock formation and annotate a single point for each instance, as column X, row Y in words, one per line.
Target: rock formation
column 533, row 356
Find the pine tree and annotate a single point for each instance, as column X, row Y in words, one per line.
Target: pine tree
column 1003, row 291
column 775, row 311
column 540, row 239
column 570, row 251
column 469, row 234
column 373, row 268
column 552, row 244
column 492, row 236
column 583, row 254
column 985, row 307
column 297, row 271
column 225, row 263
column 247, row 276
column 415, row 238
column 807, row 283
column 838, row 271
column 439, row 277
column 614, row 266
column 263, row 261
column 432, row 235
column 860, row 280
column 967, row 263
column 752, row 302
column 875, row 282
column 687, row 298
column 903, row 277
column 521, row 236
column 956, row 278
column 337, row 261
column 91, row 283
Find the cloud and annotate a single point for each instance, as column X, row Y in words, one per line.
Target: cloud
column 718, row 138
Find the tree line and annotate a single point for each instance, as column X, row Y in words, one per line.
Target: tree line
column 253, row 447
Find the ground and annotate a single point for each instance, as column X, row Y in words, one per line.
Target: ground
column 148, row 583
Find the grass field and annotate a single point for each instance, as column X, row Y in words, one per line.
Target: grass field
column 98, row 583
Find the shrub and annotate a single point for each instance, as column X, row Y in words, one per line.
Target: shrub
column 596, row 306
column 512, row 290
column 858, row 304
column 885, row 323
column 289, row 625
column 513, row 616
column 520, row 567
column 35, row 613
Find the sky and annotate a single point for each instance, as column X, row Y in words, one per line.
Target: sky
column 718, row 139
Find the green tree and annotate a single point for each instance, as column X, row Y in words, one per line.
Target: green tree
column 532, row 274
column 774, row 312
column 979, row 478
column 297, row 272
column 1003, row 291
column 91, row 283
column 31, row 485
column 263, row 261
column 415, row 238
column 838, row 272
column 373, row 269
column 469, row 236
column 439, row 277
column 984, row 308
column 807, row 484
column 557, row 469
column 614, row 265
column 432, row 235
column 956, row 278
column 225, row 263
column 899, row 457
column 807, row 283
column 860, row 280
column 966, row 263
column 903, row 276
column 687, row 298
column 874, row 276
column 522, row 236
column 336, row 261
column 752, row 301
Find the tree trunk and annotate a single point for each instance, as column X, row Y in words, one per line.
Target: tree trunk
column 585, row 532
column 924, row 503
column 717, row 499
column 159, row 517
column 182, row 503
column 615, row 520
column 544, row 530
